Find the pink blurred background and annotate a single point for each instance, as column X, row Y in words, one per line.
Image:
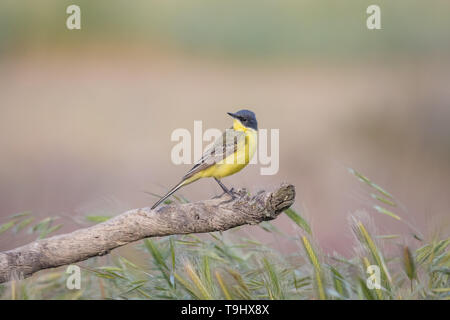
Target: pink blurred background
column 86, row 115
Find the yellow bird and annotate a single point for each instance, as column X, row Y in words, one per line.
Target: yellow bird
column 228, row 155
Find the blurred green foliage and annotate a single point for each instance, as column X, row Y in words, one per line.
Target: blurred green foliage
column 234, row 29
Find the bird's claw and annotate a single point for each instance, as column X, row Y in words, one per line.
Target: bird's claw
column 232, row 193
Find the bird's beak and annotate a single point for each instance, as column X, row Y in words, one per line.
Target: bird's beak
column 233, row 115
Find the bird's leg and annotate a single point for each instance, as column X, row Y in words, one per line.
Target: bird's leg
column 225, row 189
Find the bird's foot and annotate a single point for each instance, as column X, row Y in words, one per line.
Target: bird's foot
column 231, row 193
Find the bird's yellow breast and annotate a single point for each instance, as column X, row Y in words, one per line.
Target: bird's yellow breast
column 238, row 160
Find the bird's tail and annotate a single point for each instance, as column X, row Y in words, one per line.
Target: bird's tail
column 178, row 186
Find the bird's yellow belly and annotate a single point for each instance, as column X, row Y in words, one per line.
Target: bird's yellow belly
column 236, row 161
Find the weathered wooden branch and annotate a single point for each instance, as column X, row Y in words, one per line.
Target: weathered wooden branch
column 216, row 214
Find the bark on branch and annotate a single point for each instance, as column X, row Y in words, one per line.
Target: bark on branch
column 217, row 214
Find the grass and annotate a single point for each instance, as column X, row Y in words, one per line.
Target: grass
column 226, row 265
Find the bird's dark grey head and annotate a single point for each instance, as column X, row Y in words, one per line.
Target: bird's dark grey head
column 246, row 117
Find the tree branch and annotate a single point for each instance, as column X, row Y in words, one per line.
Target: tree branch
column 217, row 214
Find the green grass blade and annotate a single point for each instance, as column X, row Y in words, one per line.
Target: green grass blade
column 274, row 280
column 294, row 216
column 409, row 264
column 367, row 241
column 386, row 212
column 202, row 289
column 223, row 286
column 317, row 268
column 97, row 219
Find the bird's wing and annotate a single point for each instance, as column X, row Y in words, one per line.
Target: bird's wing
column 224, row 146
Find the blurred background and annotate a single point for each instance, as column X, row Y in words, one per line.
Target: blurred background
column 86, row 115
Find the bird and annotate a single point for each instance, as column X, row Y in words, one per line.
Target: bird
column 228, row 155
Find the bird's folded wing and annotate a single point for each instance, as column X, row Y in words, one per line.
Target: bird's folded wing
column 224, row 146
